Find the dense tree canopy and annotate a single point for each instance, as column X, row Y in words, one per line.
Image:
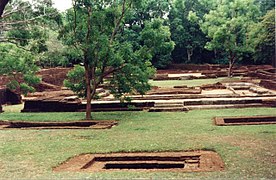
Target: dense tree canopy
column 140, row 15
column 228, row 25
column 263, row 39
column 185, row 33
column 99, row 31
column 19, row 66
column 23, row 34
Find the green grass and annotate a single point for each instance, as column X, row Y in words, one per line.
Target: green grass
column 248, row 151
column 13, row 108
column 189, row 83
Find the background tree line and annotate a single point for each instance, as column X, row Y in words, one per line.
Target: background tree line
column 187, row 21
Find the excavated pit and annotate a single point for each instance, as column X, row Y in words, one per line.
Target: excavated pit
column 167, row 161
column 58, row 125
column 250, row 120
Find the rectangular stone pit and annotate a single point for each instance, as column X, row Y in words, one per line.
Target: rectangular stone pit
column 58, row 125
column 246, row 120
column 166, row 161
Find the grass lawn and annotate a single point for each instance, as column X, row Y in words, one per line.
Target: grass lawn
column 189, row 83
column 248, row 151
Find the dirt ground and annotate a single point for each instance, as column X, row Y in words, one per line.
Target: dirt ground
column 194, row 161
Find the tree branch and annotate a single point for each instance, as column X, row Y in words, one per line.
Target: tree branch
column 24, row 21
column 108, row 72
column 7, row 14
column 124, row 8
column 3, row 4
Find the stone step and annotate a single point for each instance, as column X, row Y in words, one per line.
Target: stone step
column 225, row 106
column 114, row 109
column 168, row 105
column 104, row 94
column 259, row 90
column 222, row 102
column 240, row 87
column 100, row 90
column 168, row 109
column 169, row 102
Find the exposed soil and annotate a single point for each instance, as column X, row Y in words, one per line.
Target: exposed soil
column 54, row 76
column 192, row 161
column 244, row 120
column 58, row 125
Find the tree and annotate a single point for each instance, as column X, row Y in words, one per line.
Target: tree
column 24, row 23
column 262, row 37
column 22, row 37
column 157, row 38
column 19, row 66
column 228, row 26
column 266, row 5
column 97, row 28
column 147, row 11
column 186, row 33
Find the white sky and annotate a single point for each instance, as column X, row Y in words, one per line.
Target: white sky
column 62, row 5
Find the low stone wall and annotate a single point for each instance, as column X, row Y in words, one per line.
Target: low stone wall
column 269, row 84
column 76, row 106
column 9, row 97
column 3, row 97
column 199, row 67
column 267, row 76
column 213, row 86
column 50, row 106
column 214, row 71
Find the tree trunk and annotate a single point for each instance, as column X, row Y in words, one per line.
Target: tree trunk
column 231, row 64
column 273, row 61
column 230, row 70
column 88, row 92
column 189, row 53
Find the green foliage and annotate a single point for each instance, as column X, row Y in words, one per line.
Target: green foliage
column 52, row 59
column 185, row 30
column 147, row 17
column 156, row 37
column 147, row 10
column 266, row 5
column 262, row 36
column 72, row 55
column 19, row 66
column 24, row 23
column 107, row 49
column 228, row 26
column 76, row 81
column 131, row 79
